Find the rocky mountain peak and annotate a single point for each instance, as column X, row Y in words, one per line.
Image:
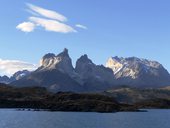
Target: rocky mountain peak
column 20, row 74
column 83, row 63
column 94, row 76
column 56, row 72
column 61, row 62
column 132, row 64
column 115, row 64
column 48, row 55
column 64, row 53
column 50, row 60
column 84, row 59
column 137, row 71
column 47, row 59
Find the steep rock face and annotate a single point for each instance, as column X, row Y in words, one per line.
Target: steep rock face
column 138, row 72
column 56, row 73
column 94, row 77
column 61, row 62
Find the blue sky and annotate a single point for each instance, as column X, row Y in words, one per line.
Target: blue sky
column 124, row 28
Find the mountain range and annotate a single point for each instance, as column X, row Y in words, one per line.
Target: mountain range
column 57, row 73
column 16, row 76
column 138, row 72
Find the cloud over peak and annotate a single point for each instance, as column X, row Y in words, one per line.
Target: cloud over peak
column 9, row 67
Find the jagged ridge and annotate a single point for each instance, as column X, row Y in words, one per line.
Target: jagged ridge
column 138, row 72
column 57, row 74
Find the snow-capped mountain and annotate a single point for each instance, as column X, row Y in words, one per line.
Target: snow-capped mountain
column 138, row 72
column 57, row 73
column 19, row 75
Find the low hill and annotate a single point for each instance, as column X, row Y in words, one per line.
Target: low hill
column 133, row 95
column 40, row 98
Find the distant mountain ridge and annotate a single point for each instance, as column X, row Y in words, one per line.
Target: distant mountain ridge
column 138, row 72
column 5, row 79
column 57, row 73
column 16, row 76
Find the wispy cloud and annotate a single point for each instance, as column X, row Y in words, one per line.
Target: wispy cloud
column 9, row 67
column 53, row 21
column 26, row 27
column 47, row 13
column 81, row 26
column 52, row 25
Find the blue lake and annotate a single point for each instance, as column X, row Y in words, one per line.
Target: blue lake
column 29, row 119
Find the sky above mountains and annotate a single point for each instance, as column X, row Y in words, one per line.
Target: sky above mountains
column 29, row 29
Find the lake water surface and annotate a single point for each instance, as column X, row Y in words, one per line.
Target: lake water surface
column 30, row 119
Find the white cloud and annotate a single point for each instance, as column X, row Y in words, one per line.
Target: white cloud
column 47, row 13
column 26, row 27
column 53, row 21
column 32, row 12
column 81, row 26
column 9, row 67
column 52, row 25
